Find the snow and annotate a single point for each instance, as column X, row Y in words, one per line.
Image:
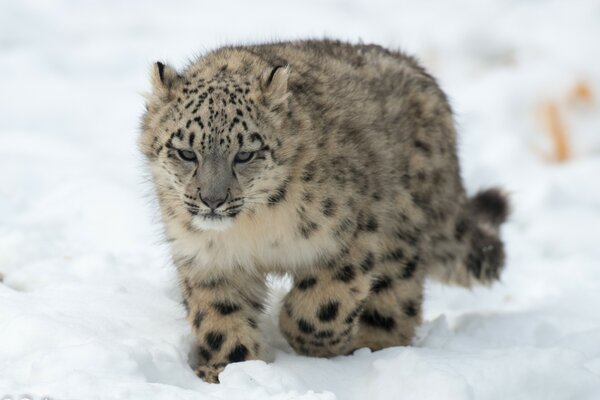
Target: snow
column 89, row 307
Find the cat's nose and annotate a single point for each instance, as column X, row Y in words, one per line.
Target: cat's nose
column 213, row 202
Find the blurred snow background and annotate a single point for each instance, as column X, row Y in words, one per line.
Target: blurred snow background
column 89, row 308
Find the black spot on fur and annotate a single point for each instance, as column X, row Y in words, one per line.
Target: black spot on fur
column 307, row 283
column 376, row 320
column 255, row 137
column 410, row 308
column 409, row 268
column 368, row 263
column 187, row 288
column 324, row 334
column 424, row 147
column 407, row 237
column 307, row 197
column 278, row 196
column 367, row 223
column 460, row 229
column 198, row 319
column 423, row 201
column 486, row 256
column 252, row 323
column 346, row 274
column 381, row 283
column 288, row 309
column 239, row 353
column 395, row 255
column 214, row 340
column 346, row 331
column 226, row 308
column 308, row 173
column 346, row 225
column 474, row 264
column 307, row 228
column 328, row 207
column 257, row 305
column 205, row 353
column 372, row 224
column 328, row 311
column 198, row 120
column 305, row 326
column 211, row 283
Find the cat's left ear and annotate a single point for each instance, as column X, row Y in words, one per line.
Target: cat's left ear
column 164, row 80
column 274, row 85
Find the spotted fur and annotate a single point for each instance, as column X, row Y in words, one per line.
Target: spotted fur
column 331, row 162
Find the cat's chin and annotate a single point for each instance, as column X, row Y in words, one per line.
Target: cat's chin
column 212, row 223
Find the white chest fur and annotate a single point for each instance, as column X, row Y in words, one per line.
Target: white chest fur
column 266, row 240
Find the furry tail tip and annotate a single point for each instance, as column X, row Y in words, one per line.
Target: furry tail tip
column 491, row 205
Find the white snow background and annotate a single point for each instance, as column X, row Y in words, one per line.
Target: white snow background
column 89, row 307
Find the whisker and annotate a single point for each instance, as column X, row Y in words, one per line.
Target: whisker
column 191, row 205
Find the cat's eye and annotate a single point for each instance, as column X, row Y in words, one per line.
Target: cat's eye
column 187, row 155
column 243, row 157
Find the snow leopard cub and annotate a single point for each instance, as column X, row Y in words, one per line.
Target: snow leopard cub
column 331, row 162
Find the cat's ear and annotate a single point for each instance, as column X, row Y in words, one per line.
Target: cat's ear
column 164, row 80
column 274, row 84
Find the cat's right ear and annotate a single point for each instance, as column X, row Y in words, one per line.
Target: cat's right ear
column 164, row 80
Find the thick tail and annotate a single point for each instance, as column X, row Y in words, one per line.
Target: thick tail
column 490, row 206
column 477, row 253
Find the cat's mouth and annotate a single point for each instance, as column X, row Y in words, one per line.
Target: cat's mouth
column 213, row 216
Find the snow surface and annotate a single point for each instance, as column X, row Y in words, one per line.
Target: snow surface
column 89, row 308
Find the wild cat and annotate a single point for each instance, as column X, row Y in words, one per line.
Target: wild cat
column 331, row 162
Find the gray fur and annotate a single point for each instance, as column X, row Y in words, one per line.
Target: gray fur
column 354, row 189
